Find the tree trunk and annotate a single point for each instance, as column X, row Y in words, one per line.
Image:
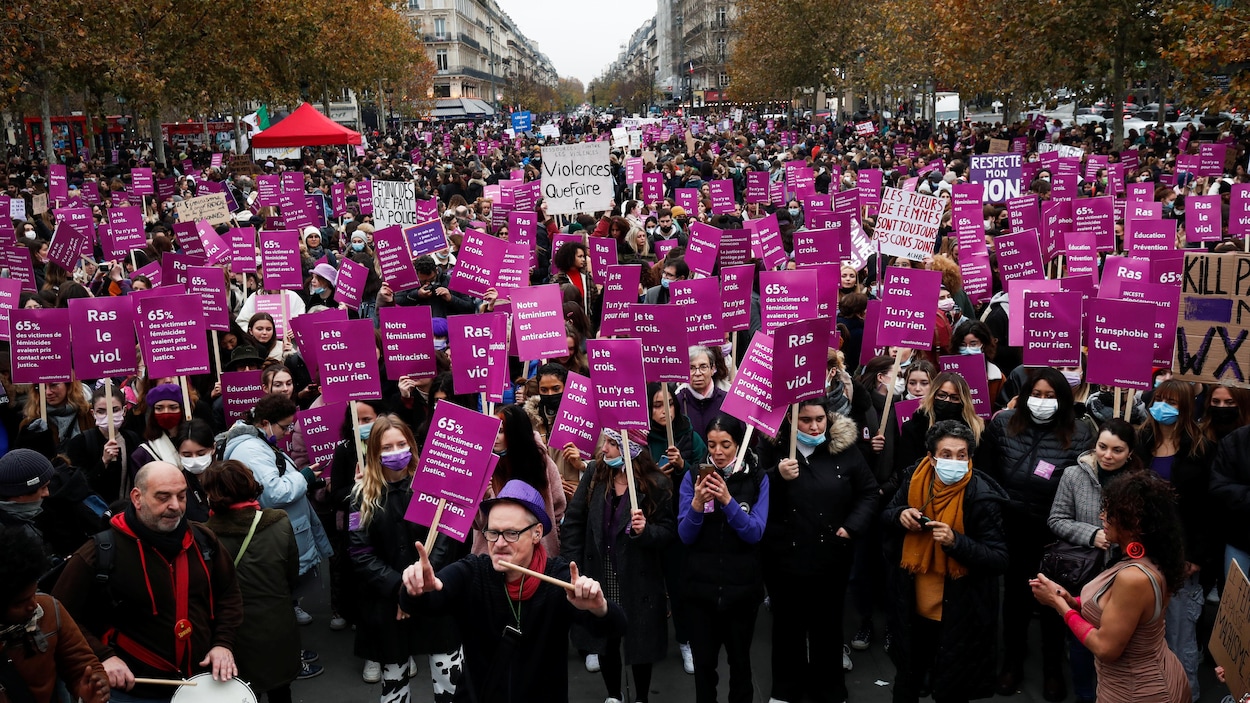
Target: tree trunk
column 88, row 137
column 238, row 130
column 158, row 141
column 1117, row 91
column 45, row 123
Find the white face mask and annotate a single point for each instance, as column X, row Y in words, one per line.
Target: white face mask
column 900, row 385
column 196, row 464
column 1043, row 408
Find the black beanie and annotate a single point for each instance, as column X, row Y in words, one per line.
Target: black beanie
column 22, row 472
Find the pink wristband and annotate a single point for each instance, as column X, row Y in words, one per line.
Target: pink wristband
column 1079, row 625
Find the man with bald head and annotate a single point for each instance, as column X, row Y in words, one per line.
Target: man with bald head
column 156, row 594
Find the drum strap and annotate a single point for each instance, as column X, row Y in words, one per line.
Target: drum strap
column 182, row 626
column 138, row 651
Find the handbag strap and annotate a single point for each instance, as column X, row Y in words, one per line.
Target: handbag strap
column 248, row 539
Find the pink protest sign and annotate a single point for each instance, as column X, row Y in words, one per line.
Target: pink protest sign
column 1056, row 219
column 1082, row 252
column 665, row 349
column 616, row 370
column 174, row 268
column 1119, row 270
column 364, row 196
column 394, row 258
column 602, row 255
column 304, row 328
column 58, row 183
column 455, row 467
column 633, row 170
column 976, row 273
column 908, row 308
column 10, row 299
column 141, row 181
column 320, row 429
column 425, row 238
column 1022, row 213
column 904, row 409
column 620, row 290
column 722, row 194
column 67, row 246
column 821, row 247
column 700, row 300
column 209, row 282
column 1141, row 192
column 1121, row 344
column 652, row 187
column 1096, row 216
column 189, row 241
column 663, row 246
column 240, row 391
column 750, row 398
column 798, row 354
column 757, row 187
column 242, row 249
column 688, row 199
column 1052, row 333
column 477, row 268
column 470, row 338
column 427, row 210
column 735, row 247
column 736, row 282
column 347, row 360
column 1203, row 221
column 125, row 231
column 280, row 261
column 578, row 418
column 272, row 304
column 40, row 346
column 972, row 368
column 538, row 322
column 790, row 296
column 349, row 287
column 1142, row 236
column 1019, row 255
column 407, row 341
column 172, row 335
column 1164, row 299
column 766, row 240
column 338, row 199
column 702, row 248
column 522, row 230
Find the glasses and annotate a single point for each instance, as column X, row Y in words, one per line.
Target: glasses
column 949, row 397
column 700, row 368
column 509, row 536
column 286, row 427
column 668, row 276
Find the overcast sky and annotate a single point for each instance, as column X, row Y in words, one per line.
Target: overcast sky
column 581, row 37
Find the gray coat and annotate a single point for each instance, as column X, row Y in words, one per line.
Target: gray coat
column 1078, row 501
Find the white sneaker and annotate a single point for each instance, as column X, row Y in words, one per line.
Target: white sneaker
column 847, row 664
column 613, row 700
column 373, row 672
column 338, row 622
column 1213, row 596
column 592, row 663
column 302, row 617
column 687, row 658
column 776, row 700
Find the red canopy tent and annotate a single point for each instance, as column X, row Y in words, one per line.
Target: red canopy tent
column 305, row 127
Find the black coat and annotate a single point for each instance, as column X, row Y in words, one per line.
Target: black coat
column 86, row 451
column 638, row 559
column 1016, row 463
column 965, row 664
column 1191, row 477
column 1230, row 489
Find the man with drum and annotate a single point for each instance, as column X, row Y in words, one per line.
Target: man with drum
column 156, row 594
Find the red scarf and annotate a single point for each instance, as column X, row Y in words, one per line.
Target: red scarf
column 525, row 587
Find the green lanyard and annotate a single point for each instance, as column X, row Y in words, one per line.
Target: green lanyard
column 516, row 612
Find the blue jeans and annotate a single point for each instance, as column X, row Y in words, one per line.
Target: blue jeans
column 1242, row 558
column 1084, row 676
column 1183, row 612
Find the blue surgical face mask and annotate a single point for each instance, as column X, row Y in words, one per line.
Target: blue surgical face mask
column 794, row 212
column 365, row 431
column 808, row 440
column 615, row 462
column 320, row 290
column 970, row 350
column 1164, row 413
column 358, row 246
column 665, row 283
column 950, row 471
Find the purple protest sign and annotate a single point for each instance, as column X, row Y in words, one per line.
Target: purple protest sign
column 272, row 304
column 821, row 247
column 125, row 231
column 577, row 422
column 1142, row 236
column 1022, row 213
column 736, row 282
column 364, row 196
column 904, row 409
column 790, row 296
column 1164, row 299
column 67, row 246
column 58, row 183
column 798, row 352
column 665, row 349
column 620, row 290
column 538, row 322
column 470, row 339
column 10, row 300
column 209, row 282
column 976, row 273
column 141, row 181
column 1121, row 345
column 1052, row 335
column 1096, row 216
column 1211, row 160
column 240, row 391
column 395, row 259
column 908, row 308
column 1203, row 221
column 522, row 230
column 602, row 255
column 735, row 247
column 750, row 397
column 172, row 335
column 425, row 238
column 1119, row 270
column 242, row 249
column 280, row 260
column 175, row 268
column 456, row 453
column 633, row 170
column 999, row 173
column 427, row 210
column 477, row 266
column 616, row 370
column 319, row 428
column 407, row 341
column 338, row 199
column 1141, row 192
column 700, row 300
column 347, row 360
column 703, row 248
column 688, row 199
column 652, row 187
column 1019, row 255
column 722, row 195
column 973, row 370
column 40, row 348
column 757, row 187
column 1082, row 252
column 166, row 187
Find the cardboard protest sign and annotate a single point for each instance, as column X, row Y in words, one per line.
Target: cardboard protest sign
column 211, row 208
column 1121, row 344
column 620, row 290
column 456, row 462
column 470, row 338
column 538, row 322
column 40, row 348
column 1232, row 631
column 280, row 260
column 320, row 429
column 172, row 335
column 393, row 202
column 616, row 370
column 1213, row 320
column 907, row 223
column 577, row 421
column 347, row 360
column 999, row 174
column 703, row 248
column 799, row 361
column 209, row 282
column 700, row 300
column 908, row 308
column 349, row 286
column 577, row 178
column 407, row 341
column 788, row 296
column 973, row 369
column 665, row 349
column 240, row 391
column 750, row 398
column 395, row 259
column 1052, row 332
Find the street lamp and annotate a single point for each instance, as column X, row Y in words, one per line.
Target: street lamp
column 390, row 100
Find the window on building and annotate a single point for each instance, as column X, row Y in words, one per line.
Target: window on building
column 440, row 27
column 724, row 80
column 442, row 91
column 414, row 4
column 722, row 16
column 440, row 59
column 721, row 47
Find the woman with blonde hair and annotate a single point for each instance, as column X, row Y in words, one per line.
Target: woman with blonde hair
column 68, row 409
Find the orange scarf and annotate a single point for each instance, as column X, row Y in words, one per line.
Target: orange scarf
column 937, row 501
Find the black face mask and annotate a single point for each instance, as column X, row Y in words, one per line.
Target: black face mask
column 549, row 403
column 1224, row 416
column 946, row 410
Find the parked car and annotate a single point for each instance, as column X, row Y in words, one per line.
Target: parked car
column 1150, row 111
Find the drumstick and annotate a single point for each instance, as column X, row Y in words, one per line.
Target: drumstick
column 541, row 577
column 166, row 682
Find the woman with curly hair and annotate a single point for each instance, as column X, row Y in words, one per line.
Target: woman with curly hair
column 1119, row 615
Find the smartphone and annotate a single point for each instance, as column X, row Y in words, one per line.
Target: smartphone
column 924, row 523
column 705, row 470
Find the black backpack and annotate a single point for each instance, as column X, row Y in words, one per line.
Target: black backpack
column 106, row 553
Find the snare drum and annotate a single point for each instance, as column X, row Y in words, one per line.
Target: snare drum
column 207, row 690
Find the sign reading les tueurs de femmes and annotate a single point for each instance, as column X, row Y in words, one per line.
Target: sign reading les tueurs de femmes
column 1213, row 319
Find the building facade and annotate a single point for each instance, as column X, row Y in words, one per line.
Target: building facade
column 693, row 40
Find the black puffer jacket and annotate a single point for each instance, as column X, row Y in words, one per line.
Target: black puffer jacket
column 1230, row 489
column 965, row 665
column 1017, row 466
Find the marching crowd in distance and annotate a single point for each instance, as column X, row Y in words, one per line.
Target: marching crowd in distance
column 145, row 536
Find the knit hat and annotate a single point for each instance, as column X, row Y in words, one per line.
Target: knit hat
column 635, row 448
column 525, row 495
column 678, row 211
column 165, row 391
column 327, row 272
column 22, row 472
column 310, row 231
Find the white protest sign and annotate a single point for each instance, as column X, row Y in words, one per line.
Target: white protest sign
column 907, row 223
column 576, row 178
column 1065, row 150
column 394, row 203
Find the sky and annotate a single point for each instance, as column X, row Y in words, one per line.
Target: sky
column 581, row 37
